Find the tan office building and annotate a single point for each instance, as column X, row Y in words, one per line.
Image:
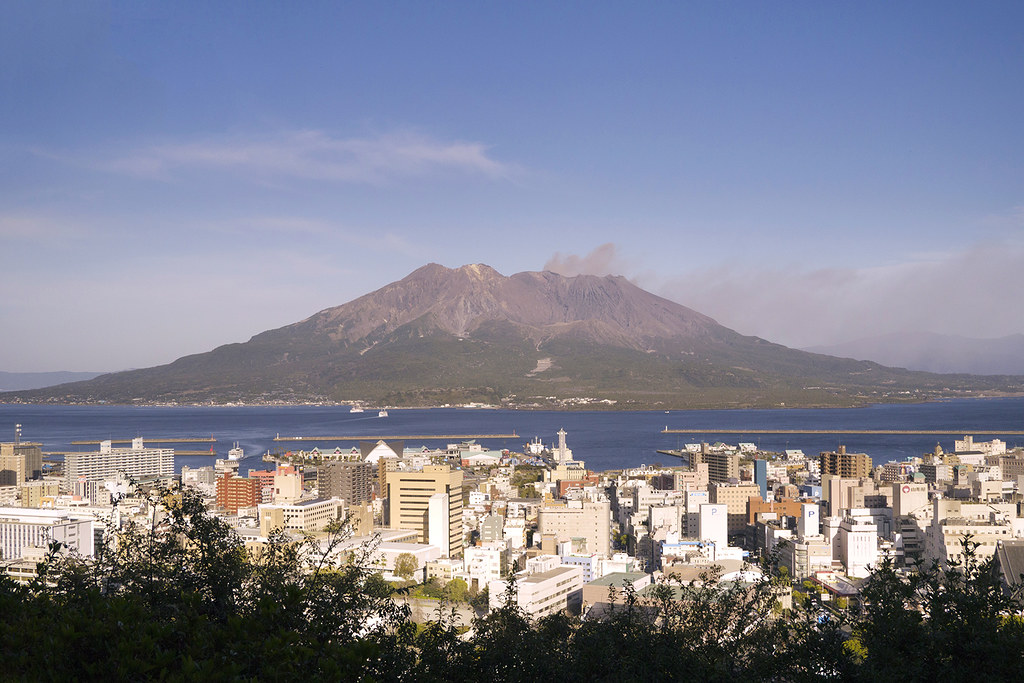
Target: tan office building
column 584, row 522
column 735, row 498
column 20, row 462
column 409, row 496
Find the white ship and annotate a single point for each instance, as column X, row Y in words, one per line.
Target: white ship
column 355, row 409
column 383, row 412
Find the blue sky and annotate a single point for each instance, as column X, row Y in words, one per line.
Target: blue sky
column 178, row 176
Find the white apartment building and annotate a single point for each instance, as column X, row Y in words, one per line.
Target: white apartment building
column 22, row 528
column 107, row 462
column 986, row 523
column 690, row 526
column 590, row 564
column 856, row 542
column 203, row 478
column 993, row 447
column 514, row 532
column 806, row 555
column 486, row 563
column 543, row 592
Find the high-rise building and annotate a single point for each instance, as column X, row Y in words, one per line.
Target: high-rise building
column 722, row 466
column 409, row 503
column 562, row 453
column 735, row 497
column 714, row 524
column 843, row 464
column 809, row 521
column 108, row 462
column 694, row 479
column 20, row 462
column 909, row 499
column 857, row 543
column 350, row 481
column 841, row 493
column 492, row 528
column 590, row 522
column 33, row 493
column 201, row 476
column 689, row 523
column 287, row 484
column 761, row 477
column 238, row 492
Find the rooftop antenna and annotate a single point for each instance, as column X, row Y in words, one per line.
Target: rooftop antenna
column 17, row 434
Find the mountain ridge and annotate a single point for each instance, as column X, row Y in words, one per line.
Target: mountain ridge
column 470, row 334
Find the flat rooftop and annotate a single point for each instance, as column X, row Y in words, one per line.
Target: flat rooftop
column 617, row 579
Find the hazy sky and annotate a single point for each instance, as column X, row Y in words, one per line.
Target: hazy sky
column 182, row 175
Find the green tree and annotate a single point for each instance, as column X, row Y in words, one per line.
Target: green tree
column 180, row 599
column 458, row 590
column 406, row 565
column 941, row 623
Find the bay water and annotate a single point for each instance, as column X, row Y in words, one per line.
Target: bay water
column 603, row 439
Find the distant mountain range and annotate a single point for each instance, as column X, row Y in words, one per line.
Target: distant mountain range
column 535, row 339
column 932, row 352
column 16, row 381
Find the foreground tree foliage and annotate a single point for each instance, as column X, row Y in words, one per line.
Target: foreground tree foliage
column 954, row 624
column 181, row 599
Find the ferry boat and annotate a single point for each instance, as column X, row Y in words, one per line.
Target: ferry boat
column 355, row 409
column 383, row 412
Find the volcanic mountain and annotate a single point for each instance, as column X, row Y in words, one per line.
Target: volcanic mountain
column 470, row 334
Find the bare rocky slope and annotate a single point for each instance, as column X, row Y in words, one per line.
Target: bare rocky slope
column 445, row 335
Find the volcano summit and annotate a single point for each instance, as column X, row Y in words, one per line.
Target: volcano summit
column 537, row 339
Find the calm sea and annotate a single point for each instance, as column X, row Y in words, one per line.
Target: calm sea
column 604, row 440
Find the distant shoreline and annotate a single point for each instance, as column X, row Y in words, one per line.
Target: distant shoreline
column 532, row 408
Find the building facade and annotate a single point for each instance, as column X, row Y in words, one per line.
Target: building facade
column 20, row 462
column 22, row 528
column 735, row 498
column 350, row 481
column 843, row 464
column 108, row 462
column 585, row 520
column 409, row 495
column 310, row 516
column 234, row 492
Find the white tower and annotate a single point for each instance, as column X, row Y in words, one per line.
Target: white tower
column 714, row 524
column 809, row 523
column 439, row 522
column 562, row 453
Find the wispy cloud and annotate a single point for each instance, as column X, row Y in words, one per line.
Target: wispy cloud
column 313, row 155
column 603, row 260
column 975, row 292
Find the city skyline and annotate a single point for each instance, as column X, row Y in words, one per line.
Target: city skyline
column 187, row 176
